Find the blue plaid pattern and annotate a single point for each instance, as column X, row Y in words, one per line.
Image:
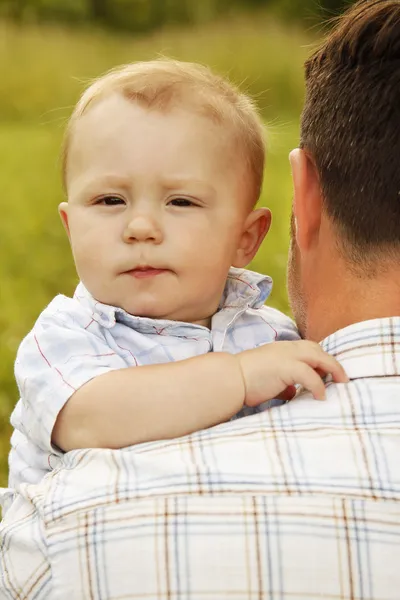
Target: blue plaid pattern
column 299, row 502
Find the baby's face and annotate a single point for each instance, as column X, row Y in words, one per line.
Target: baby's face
column 156, row 207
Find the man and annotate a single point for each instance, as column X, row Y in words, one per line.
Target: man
column 301, row 501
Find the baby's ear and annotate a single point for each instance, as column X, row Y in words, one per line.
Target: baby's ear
column 63, row 212
column 255, row 229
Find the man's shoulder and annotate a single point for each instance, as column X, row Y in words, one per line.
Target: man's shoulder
column 303, row 447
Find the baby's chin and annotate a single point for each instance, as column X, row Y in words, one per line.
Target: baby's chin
column 148, row 306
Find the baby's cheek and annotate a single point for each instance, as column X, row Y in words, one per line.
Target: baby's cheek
column 89, row 257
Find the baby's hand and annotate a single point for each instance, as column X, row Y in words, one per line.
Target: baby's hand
column 269, row 370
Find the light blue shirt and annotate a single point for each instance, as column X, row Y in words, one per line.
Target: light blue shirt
column 77, row 339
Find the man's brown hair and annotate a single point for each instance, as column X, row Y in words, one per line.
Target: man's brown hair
column 351, row 127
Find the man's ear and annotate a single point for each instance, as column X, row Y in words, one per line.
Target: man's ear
column 255, row 229
column 63, row 212
column 307, row 199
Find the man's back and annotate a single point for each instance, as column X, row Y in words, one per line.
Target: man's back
column 301, row 501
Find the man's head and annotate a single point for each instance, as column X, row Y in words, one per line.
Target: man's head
column 163, row 165
column 347, row 173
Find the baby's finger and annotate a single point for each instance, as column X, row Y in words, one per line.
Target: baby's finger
column 327, row 364
column 339, row 375
column 309, row 379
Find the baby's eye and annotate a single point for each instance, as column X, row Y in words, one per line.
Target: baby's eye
column 110, row 201
column 181, row 202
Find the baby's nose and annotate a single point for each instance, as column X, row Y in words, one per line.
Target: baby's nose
column 142, row 228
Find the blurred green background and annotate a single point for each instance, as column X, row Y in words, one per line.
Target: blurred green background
column 49, row 49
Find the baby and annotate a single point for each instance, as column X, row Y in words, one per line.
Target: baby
column 166, row 333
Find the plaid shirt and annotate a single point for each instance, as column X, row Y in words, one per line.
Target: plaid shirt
column 76, row 339
column 296, row 503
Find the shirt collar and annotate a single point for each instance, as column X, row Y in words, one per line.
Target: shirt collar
column 367, row 349
column 243, row 289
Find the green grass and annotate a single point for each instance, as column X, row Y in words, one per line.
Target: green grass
column 44, row 69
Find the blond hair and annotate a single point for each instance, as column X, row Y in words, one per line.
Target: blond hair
column 163, row 84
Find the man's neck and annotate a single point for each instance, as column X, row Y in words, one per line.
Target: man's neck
column 343, row 299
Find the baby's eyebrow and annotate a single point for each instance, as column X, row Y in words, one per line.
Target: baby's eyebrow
column 113, row 181
column 188, row 182
column 105, row 183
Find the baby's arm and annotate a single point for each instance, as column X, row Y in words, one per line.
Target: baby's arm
column 135, row 405
column 76, row 392
column 151, row 402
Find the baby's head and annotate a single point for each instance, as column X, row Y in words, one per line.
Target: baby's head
column 163, row 166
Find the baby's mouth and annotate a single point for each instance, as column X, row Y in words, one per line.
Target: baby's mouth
column 143, row 272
